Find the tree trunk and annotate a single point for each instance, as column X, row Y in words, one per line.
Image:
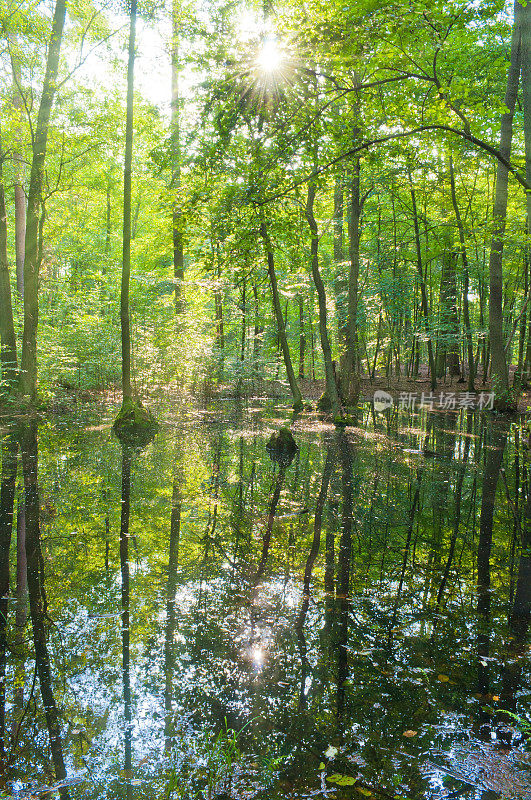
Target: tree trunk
column 296, row 392
column 447, row 344
column 126, row 246
column 423, row 293
column 302, row 338
column 525, row 12
column 331, row 387
column 499, row 368
column 8, row 342
column 28, row 373
column 349, row 368
column 177, row 216
column 18, row 171
column 464, row 257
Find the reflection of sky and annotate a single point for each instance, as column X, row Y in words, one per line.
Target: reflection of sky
column 237, row 651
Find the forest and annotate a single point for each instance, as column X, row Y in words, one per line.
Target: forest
column 265, row 368
column 224, row 197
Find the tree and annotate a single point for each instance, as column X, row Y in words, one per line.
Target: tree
column 28, row 366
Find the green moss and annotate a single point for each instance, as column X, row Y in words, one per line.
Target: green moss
column 282, row 447
column 324, row 403
column 135, row 425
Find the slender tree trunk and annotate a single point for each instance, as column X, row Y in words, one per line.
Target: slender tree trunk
column 466, row 272
column 296, row 392
column 8, row 342
column 331, row 387
column 499, row 368
column 18, row 186
column 177, row 216
column 341, row 284
column 423, row 293
column 349, row 369
column 525, row 12
column 447, row 345
column 126, row 246
column 302, row 337
column 28, row 373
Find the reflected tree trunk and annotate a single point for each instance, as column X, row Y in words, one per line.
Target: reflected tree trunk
column 279, row 482
column 456, row 517
column 7, row 499
column 173, row 562
column 498, row 439
column 343, row 568
column 310, row 561
column 37, row 597
column 126, row 623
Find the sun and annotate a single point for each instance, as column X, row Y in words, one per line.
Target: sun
column 270, row 56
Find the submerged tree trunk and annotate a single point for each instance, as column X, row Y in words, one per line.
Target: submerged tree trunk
column 296, row 392
column 499, row 368
column 331, row 387
column 28, row 373
column 8, row 342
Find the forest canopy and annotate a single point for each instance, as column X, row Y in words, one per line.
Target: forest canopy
column 224, row 194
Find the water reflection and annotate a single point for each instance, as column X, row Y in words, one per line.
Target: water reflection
column 370, row 594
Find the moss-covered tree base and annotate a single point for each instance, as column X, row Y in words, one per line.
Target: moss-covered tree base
column 324, row 403
column 282, row 447
column 135, row 425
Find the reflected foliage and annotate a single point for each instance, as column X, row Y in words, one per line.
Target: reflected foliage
column 206, row 619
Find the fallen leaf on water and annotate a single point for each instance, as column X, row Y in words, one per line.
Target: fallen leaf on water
column 322, row 766
column 366, row 792
column 409, row 734
column 443, row 678
column 342, row 780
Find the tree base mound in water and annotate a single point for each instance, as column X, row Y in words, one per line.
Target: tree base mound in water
column 282, row 447
column 135, row 425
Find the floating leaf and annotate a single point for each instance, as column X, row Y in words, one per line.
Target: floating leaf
column 443, row 678
column 341, row 780
column 409, row 734
column 362, row 790
column 322, row 766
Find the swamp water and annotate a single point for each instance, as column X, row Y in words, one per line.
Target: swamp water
column 201, row 621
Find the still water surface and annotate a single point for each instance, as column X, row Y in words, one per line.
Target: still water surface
column 202, row 621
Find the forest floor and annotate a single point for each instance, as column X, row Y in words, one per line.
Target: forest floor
column 396, row 385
